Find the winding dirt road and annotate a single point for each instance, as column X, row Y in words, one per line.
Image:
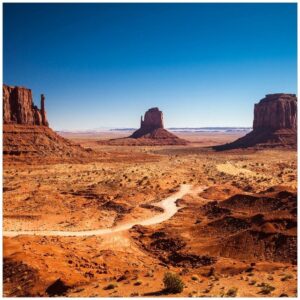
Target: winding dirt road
column 168, row 204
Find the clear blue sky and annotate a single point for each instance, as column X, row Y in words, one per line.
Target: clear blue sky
column 105, row 64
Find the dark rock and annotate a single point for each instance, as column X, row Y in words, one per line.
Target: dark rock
column 57, row 288
column 167, row 244
column 178, row 259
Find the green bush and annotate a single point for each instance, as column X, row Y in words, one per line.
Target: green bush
column 173, row 283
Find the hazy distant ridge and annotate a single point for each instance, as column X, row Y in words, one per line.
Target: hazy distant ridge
column 196, row 129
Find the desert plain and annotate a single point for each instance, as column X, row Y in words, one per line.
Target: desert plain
column 229, row 228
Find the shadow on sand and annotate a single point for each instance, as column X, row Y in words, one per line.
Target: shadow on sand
column 157, row 293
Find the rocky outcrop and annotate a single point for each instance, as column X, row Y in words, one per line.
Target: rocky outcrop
column 152, row 131
column 26, row 133
column 276, row 111
column 153, row 120
column 275, row 124
column 18, row 107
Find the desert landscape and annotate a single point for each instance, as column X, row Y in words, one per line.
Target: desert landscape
column 124, row 213
column 149, row 149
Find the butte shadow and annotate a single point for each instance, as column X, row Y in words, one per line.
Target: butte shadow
column 274, row 125
column 150, row 133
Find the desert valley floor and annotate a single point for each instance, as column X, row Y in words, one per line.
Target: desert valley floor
column 233, row 231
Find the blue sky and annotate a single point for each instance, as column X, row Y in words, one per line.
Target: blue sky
column 103, row 65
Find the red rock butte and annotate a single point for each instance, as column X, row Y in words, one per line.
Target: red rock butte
column 150, row 133
column 274, row 125
column 18, row 107
column 26, row 130
column 152, row 127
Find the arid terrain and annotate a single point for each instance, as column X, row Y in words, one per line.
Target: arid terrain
column 228, row 226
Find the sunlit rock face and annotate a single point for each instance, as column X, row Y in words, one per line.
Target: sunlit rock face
column 18, row 107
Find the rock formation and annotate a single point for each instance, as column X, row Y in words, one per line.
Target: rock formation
column 26, row 132
column 153, row 120
column 275, row 124
column 18, row 107
column 151, row 133
column 276, row 111
column 152, row 130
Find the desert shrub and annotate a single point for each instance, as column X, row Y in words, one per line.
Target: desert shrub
column 266, row 288
column 110, row 286
column 232, row 292
column 287, row 277
column 173, row 283
column 138, row 282
column 252, row 282
column 195, row 277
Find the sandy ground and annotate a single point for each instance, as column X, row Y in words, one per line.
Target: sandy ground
column 168, row 206
column 234, row 234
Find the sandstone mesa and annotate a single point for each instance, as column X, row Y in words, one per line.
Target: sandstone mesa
column 274, row 125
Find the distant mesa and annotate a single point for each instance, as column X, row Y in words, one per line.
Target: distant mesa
column 26, row 130
column 153, row 121
column 150, row 133
column 274, row 125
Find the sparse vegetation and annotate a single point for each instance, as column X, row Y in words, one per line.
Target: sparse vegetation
column 195, row 277
column 173, row 283
column 232, row 292
column 138, row 282
column 110, row 286
column 287, row 277
column 266, row 288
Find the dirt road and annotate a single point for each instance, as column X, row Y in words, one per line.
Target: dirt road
column 168, row 204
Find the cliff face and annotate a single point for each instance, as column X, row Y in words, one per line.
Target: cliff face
column 26, row 133
column 153, row 119
column 276, row 111
column 18, row 107
column 275, row 124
